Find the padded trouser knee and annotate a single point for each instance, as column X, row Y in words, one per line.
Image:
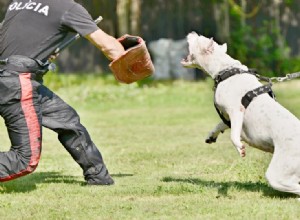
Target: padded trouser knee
column 23, row 121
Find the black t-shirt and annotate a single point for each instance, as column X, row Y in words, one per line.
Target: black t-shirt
column 35, row 28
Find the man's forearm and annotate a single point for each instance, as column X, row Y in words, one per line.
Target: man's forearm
column 109, row 45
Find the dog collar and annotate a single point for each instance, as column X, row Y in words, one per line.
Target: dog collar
column 225, row 74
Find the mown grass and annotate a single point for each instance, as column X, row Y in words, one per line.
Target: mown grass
column 152, row 139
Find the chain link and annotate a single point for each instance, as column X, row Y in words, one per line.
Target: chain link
column 287, row 77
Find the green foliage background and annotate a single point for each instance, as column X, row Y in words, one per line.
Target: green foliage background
column 257, row 48
column 262, row 40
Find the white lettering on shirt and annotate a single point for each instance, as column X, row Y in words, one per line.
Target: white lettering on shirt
column 33, row 6
column 37, row 7
column 44, row 10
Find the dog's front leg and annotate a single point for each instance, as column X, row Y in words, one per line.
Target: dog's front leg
column 236, row 119
column 213, row 134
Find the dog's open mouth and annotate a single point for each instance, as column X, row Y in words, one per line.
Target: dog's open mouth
column 188, row 61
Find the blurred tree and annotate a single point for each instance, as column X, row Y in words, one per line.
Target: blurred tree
column 222, row 18
column 135, row 18
column 129, row 13
column 275, row 13
column 123, row 12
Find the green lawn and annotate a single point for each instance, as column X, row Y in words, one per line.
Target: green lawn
column 152, row 139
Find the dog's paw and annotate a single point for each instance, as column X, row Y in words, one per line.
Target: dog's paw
column 242, row 151
column 210, row 140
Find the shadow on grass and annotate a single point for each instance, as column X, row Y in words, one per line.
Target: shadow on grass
column 29, row 183
column 223, row 187
column 121, row 175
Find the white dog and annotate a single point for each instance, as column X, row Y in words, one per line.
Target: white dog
column 264, row 124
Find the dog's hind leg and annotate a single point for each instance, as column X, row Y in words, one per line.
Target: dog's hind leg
column 283, row 174
column 236, row 118
column 213, row 134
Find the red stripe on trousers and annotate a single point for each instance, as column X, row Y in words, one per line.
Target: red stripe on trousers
column 33, row 127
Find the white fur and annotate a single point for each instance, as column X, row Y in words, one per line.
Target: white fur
column 265, row 124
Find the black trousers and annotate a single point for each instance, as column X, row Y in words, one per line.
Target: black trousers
column 26, row 105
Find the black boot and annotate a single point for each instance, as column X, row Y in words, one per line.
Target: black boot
column 101, row 178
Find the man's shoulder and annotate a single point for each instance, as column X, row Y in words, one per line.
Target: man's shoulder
column 72, row 5
column 69, row 3
column 60, row 4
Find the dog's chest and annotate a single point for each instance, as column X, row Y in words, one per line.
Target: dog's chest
column 229, row 92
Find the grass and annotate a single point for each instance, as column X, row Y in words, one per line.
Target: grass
column 152, row 139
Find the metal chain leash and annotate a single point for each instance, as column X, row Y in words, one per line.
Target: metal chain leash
column 287, row 77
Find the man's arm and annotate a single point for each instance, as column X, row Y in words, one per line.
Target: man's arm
column 109, row 45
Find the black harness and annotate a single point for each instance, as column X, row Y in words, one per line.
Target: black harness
column 249, row 96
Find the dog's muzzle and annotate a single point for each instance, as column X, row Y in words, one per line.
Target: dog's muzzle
column 188, row 61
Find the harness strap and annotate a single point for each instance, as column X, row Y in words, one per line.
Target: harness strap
column 225, row 74
column 249, row 96
column 226, row 121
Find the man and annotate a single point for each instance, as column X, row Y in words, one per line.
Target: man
column 31, row 31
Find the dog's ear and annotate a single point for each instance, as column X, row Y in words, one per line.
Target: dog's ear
column 224, row 48
column 210, row 47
